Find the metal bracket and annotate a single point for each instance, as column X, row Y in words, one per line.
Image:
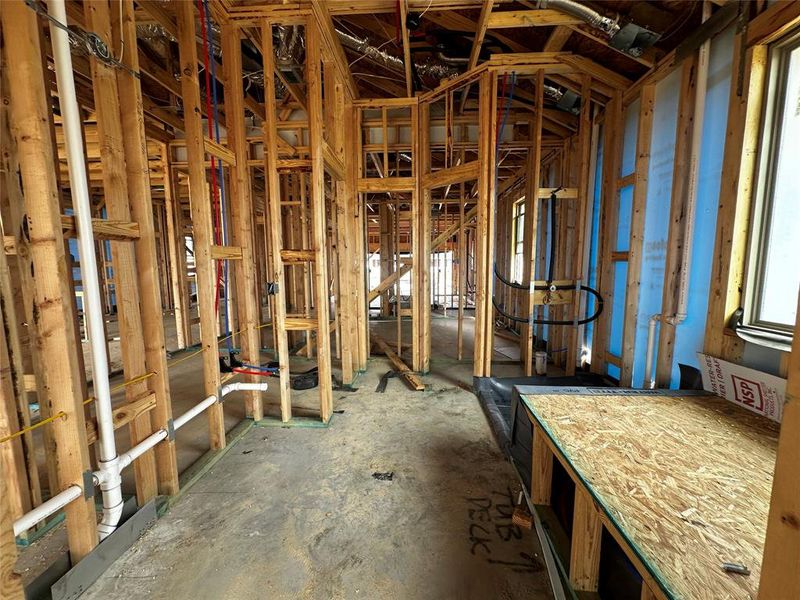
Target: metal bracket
column 88, row 485
column 272, row 288
column 171, row 430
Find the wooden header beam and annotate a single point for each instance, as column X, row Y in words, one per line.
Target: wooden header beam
column 463, row 172
column 339, row 8
column 543, row 17
column 776, row 21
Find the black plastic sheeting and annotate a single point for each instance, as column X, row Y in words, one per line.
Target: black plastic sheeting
column 511, row 427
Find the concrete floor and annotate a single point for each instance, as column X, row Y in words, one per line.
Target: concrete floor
column 297, row 513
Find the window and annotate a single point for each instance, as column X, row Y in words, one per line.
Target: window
column 773, row 276
column 517, row 238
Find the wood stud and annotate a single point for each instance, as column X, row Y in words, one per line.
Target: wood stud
column 108, row 107
column 60, row 388
column 636, row 244
column 241, row 210
column 200, row 204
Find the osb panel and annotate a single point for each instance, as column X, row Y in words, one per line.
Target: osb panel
column 687, row 480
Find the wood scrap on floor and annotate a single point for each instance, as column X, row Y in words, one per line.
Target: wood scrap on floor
column 411, row 378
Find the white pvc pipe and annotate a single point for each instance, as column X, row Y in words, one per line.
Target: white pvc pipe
column 193, row 412
column 111, row 489
column 126, row 458
column 108, row 478
column 649, row 380
column 93, row 308
column 45, row 509
column 681, row 310
column 83, row 217
column 226, row 389
column 243, row 386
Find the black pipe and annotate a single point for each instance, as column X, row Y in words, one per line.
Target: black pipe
column 543, row 286
column 583, row 288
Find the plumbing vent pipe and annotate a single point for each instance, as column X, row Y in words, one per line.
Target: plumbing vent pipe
column 691, row 192
column 649, row 380
column 79, row 187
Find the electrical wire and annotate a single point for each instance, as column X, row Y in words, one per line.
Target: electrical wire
column 261, row 368
column 90, row 41
column 386, row 43
column 675, row 28
column 24, row 430
column 62, row 414
column 121, row 37
column 427, row 8
column 372, row 75
column 177, row 361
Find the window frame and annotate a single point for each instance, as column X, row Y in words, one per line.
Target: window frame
column 775, row 105
column 517, row 241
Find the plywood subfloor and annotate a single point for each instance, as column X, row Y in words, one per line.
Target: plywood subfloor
column 686, row 478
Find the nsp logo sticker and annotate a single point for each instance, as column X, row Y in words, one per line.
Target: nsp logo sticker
column 748, row 393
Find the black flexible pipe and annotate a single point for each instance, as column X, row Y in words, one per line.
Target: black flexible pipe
column 548, row 285
column 511, row 284
column 598, row 311
column 542, row 286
